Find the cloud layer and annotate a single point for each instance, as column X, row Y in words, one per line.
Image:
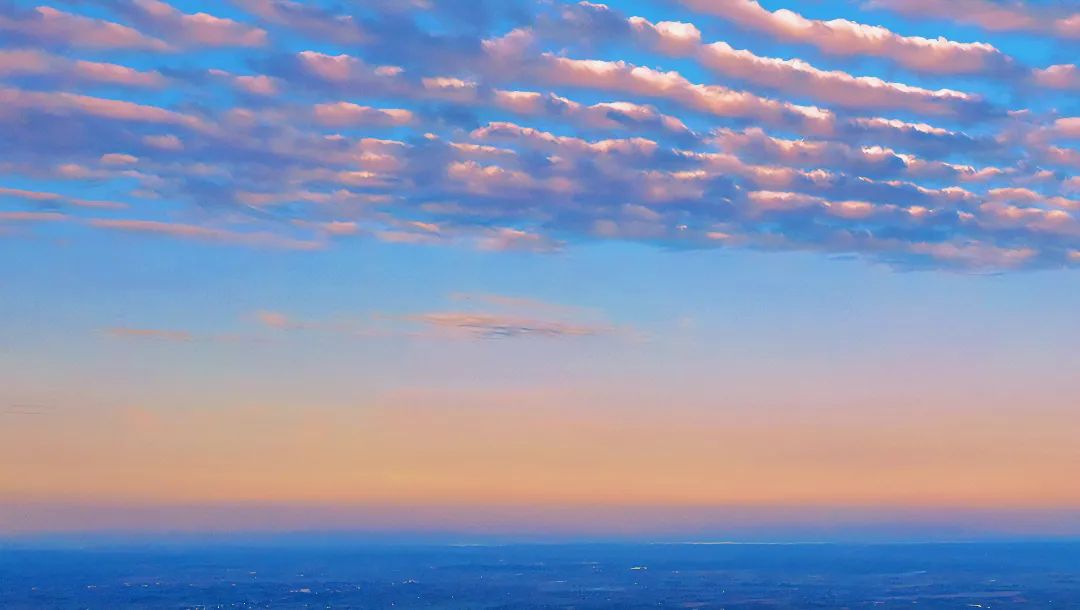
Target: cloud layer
column 534, row 126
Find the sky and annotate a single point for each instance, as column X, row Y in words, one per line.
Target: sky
column 650, row 267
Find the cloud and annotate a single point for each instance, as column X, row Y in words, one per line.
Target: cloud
column 50, row 199
column 210, row 234
column 493, row 326
column 1066, row 128
column 122, row 110
column 495, row 316
column 507, row 239
column 50, row 27
column 29, row 409
column 32, row 62
column 1061, row 76
column 616, row 115
column 845, row 37
column 798, row 77
column 549, row 142
column 483, row 316
column 190, row 30
column 274, row 319
column 348, row 114
column 119, row 159
column 994, row 16
column 164, row 142
column 867, row 161
column 249, row 84
column 1068, row 26
column 716, row 100
column 311, row 20
column 31, row 217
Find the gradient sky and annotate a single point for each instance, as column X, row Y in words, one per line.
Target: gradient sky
column 525, row 265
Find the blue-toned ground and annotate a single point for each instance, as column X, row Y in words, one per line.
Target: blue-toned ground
column 954, row 576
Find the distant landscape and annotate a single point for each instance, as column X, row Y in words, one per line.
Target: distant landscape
column 732, row 577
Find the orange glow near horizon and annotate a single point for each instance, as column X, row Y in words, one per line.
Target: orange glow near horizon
column 520, row 449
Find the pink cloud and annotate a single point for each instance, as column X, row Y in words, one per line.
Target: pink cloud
column 882, row 124
column 332, row 67
column 975, row 255
column 56, row 198
column 779, row 201
column 711, row 99
column 28, row 61
column 210, row 234
column 507, row 239
column 335, row 227
column 1067, row 157
column 450, row 88
column 1061, row 76
column 994, row 16
column 31, row 216
column 31, row 195
column 797, row 76
column 602, row 115
column 851, row 159
column 118, row 159
column 164, row 142
column 23, row 61
column 252, row 84
column 306, row 18
column 258, row 84
column 198, row 29
column 342, row 114
column 53, row 26
column 117, row 75
column 843, row 37
column 408, row 237
column 1068, row 27
column 486, row 325
column 563, row 145
column 274, row 319
column 489, row 179
column 60, row 102
column 1067, row 128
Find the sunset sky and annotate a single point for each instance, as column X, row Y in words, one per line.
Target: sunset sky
column 492, row 266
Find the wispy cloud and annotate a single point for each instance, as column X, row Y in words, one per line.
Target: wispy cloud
column 29, row 410
column 33, row 62
column 495, row 326
column 274, row 319
column 846, row 37
column 484, row 316
column 1055, row 19
column 193, row 30
column 48, row 26
column 197, row 232
column 56, row 199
